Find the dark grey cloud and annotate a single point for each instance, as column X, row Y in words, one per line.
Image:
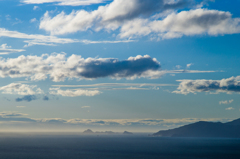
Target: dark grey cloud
column 115, row 68
column 27, row 98
column 147, row 8
column 46, row 98
column 55, row 121
column 228, row 85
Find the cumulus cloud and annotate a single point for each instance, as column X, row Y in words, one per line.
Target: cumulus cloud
column 110, row 17
column 64, row 2
column 226, row 101
column 188, row 23
column 73, row 93
column 5, row 49
column 21, row 89
column 138, row 18
column 27, row 98
column 228, row 85
column 59, row 67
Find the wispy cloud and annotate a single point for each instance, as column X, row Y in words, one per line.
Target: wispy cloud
column 5, row 49
column 35, row 39
column 21, row 89
column 21, row 106
column 118, row 85
column 86, row 107
column 65, row 2
column 33, row 20
column 73, row 92
column 106, row 42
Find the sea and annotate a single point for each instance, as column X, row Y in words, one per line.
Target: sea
column 140, row 146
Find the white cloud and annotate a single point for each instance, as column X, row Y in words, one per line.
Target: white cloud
column 58, row 67
column 228, row 85
column 21, row 106
column 33, row 20
column 4, row 50
column 21, row 89
column 35, row 39
column 189, row 65
column 73, row 92
column 226, row 102
column 117, row 86
column 188, row 23
column 178, row 66
column 230, row 108
column 111, row 16
column 35, row 7
column 64, row 2
column 8, row 17
column 106, row 42
column 85, row 107
column 138, row 18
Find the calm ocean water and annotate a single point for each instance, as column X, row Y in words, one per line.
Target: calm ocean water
column 116, row 147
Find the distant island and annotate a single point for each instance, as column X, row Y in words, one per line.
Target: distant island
column 89, row 131
column 127, row 133
column 204, row 129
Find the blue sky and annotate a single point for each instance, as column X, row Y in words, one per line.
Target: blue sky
column 117, row 65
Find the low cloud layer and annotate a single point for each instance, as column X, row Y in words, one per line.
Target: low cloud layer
column 25, row 123
column 228, row 85
column 136, row 18
column 59, row 67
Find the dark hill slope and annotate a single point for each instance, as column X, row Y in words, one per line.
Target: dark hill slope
column 204, row 129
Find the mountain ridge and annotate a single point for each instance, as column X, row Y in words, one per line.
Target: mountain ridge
column 204, row 129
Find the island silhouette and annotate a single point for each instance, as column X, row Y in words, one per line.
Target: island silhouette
column 205, row 129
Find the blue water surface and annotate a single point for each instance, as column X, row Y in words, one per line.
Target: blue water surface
column 116, row 147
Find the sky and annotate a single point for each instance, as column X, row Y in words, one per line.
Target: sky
column 116, row 65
